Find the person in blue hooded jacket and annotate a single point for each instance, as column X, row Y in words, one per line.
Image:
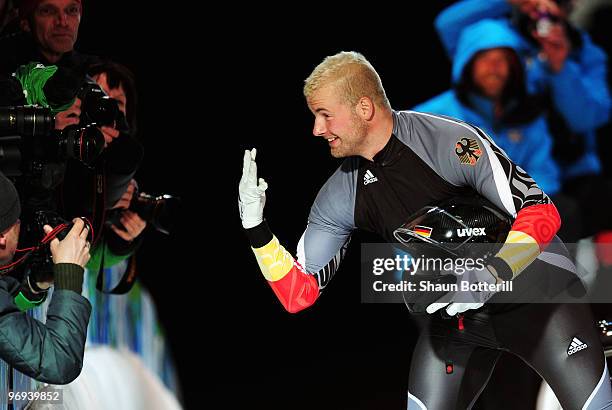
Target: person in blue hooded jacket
column 563, row 64
column 489, row 91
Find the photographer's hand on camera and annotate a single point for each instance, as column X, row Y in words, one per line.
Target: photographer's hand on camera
column 555, row 45
column 133, row 225
column 533, row 8
column 69, row 117
column 70, row 255
column 110, row 133
column 74, row 248
column 549, row 30
column 126, row 198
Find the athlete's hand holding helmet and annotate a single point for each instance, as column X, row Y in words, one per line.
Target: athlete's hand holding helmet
column 467, row 300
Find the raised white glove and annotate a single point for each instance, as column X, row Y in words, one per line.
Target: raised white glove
column 466, row 300
column 251, row 195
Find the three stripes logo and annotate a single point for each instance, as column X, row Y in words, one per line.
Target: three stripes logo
column 576, row 346
column 369, row 178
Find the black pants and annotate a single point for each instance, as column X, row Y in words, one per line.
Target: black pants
column 451, row 367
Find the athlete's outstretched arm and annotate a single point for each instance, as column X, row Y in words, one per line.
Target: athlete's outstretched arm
column 296, row 283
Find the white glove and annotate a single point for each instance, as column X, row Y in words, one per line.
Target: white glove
column 251, row 196
column 466, row 300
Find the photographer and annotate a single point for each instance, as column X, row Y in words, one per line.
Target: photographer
column 122, row 236
column 51, row 352
column 47, row 35
column 117, row 81
column 85, row 165
column 48, row 30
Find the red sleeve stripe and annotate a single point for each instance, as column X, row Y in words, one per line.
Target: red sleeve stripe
column 296, row 290
column 541, row 222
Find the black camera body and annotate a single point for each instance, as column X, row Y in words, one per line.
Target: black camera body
column 39, row 265
column 99, row 109
column 159, row 211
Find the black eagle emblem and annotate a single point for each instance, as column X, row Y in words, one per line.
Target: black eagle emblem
column 468, row 151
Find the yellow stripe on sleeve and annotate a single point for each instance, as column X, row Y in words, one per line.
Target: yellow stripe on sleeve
column 274, row 261
column 519, row 251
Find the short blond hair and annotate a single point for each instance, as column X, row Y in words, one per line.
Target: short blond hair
column 354, row 76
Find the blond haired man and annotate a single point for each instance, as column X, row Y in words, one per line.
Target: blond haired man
column 347, row 86
column 396, row 163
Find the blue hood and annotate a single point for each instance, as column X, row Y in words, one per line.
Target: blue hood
column 485, row 34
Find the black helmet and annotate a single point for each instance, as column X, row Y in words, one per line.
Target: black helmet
column 461, row 227
column 454, row 224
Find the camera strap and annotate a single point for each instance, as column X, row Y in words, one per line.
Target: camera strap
column 99, row 216
column 11, row 266
column 27, row 252
column 99, row 208
column 127, row 280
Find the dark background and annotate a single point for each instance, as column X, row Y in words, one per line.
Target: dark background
column 212, row 83
column 234, row 344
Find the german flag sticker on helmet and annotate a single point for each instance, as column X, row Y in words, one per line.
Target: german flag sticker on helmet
column 422, row 230
column 468, row 151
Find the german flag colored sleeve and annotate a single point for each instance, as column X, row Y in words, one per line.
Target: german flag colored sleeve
column 297, row 283
column 293, row 287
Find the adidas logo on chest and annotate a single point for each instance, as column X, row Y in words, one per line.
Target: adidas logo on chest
column 369, row 178
column 576, row 346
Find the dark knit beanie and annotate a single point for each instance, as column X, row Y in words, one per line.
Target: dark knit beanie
column 9, row 204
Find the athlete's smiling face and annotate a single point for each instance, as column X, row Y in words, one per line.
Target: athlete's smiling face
column 337, row 122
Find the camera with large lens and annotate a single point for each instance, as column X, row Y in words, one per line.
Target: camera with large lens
column 159, row 211
column 15, row 124
column 98, row 108
column 81, row 143
column 28, row 141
